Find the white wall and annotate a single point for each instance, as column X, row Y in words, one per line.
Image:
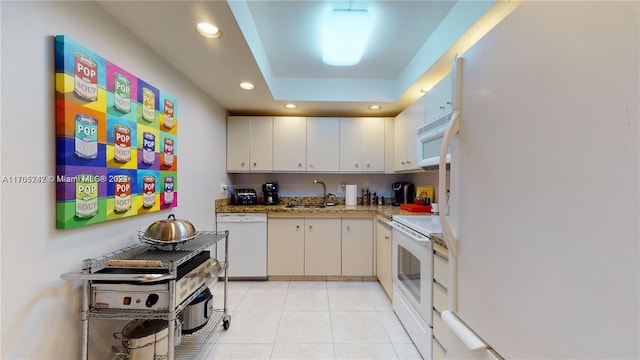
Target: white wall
column 40, row 312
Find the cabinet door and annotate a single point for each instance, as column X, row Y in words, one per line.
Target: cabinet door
column 238, row 148
column 322, row 137
column 285, row 247
column 322, row 247
column 399, row 142
column 289, row 144
column 405, row 135
column 261, row 143
column 438, row 99
column 350, row 145
column 383, row 257
column 372, row 144
column 357, row 247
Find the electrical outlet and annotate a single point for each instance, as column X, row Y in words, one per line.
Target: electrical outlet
column 223, row 188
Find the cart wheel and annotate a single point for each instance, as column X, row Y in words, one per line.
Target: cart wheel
column 226, row 323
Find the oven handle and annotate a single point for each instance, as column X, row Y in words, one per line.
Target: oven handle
column 117, row 277
column 413, row 236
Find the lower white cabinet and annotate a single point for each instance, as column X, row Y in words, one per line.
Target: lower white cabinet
column 285, row 246
column 320, row 246
column 357, row 247
column 440, row 300
column 383, row 256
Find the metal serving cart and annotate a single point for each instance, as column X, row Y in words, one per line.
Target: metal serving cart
column 174, row 272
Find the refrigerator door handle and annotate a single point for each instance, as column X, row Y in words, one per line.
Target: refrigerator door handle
column 462, row 331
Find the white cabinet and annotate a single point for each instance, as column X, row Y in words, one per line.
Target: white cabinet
column 285, row 246
column 289, row 143
column 405, row 129
column 362, row 144
column 322, row 247
column 440, row 300
column 438, row 99
column 357, row 247
column 323, row 152
column 383, row 256
column 249, row 143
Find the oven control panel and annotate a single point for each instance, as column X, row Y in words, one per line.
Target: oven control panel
column 138, row 297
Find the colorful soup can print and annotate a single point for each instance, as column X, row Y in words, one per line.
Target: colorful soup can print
column 86, row 136
column 168, row 113
column 85, row 77
column 168, row 152
column 148, row 105
column 168, row 190
column 122, row 93
column 121, row 143
column 86, row 196
column 122, row 193
column 148, row 148
column 148, row 191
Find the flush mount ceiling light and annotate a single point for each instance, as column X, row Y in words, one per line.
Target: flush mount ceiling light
column 247, row 86
column 291, row 106
column 375, row 107
column 208, row 30
column 344, row 36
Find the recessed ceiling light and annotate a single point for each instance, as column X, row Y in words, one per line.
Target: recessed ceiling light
column 291, row 106
column 247, row 86
column 375, row 107
column 208, row 30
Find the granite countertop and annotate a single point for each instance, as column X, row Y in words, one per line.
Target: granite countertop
column 387, row 211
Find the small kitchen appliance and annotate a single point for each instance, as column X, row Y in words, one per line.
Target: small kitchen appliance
column 245, row 197
column 402, row 193
column 270, row 193
column 196, row 315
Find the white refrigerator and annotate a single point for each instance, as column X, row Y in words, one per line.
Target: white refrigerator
column 545, row 186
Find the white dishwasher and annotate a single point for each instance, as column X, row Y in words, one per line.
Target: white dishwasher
column 247, row 244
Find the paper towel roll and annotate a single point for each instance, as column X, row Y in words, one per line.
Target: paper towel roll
column 351, row 195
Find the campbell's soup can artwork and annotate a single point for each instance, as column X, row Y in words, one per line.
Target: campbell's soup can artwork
column 148, row 148
column 121, row 143
column 86, row 196
column 168, row 152
column 168, row 190
column 148, row 191
column 86, row 136
column 122, row 193
column 168, row 113
column 148, row 105
column 85, row 77
column 122, row 93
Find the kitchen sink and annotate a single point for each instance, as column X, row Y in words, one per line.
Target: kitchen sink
column 305, row 206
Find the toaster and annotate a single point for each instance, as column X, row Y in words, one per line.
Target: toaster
column 245, row 197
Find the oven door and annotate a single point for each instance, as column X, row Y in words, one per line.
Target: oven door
column 412, row 264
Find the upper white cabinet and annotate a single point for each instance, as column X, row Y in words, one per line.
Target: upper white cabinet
column 438, row 99
column 289, row 143
column 362, row 144
column 249, row 143
column 322, row 137
column 405, row 136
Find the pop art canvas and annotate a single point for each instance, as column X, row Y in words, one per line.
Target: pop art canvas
column 116, row 140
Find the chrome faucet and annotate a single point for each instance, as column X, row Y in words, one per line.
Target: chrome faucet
column 324, row 189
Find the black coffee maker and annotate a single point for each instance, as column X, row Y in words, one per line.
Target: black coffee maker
column 402, row 193
column 270, row 193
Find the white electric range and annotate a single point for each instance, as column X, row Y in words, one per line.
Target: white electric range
column 412, row 263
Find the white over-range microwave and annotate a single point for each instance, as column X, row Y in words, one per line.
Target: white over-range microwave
column 430, row 138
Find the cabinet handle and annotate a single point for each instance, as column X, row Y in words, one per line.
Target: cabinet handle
column 310, row 227
column 297, row 226
column 299, row 164
column 442, row 108
column 242, row 164
column 255, row 164
column 348, row 227
column 408, row 162
column 402, row 163
column 311, row 165
column 368, row 165
column 386, row 237
column 356, row 164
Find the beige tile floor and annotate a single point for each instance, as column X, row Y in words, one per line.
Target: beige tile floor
column 309, row 320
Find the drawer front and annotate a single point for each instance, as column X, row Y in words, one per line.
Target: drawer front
column 441, row 269
column 438, row 350
column 440, row 329
column 440, row 299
